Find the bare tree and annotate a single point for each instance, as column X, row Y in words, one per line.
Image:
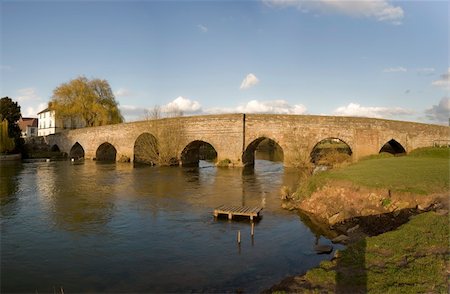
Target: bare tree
column 163, row 147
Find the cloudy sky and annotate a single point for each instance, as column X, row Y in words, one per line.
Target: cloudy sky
column 387, row 59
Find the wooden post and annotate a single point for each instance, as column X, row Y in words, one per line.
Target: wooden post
column 239, row 237
column 230, row 216
column 253, row 229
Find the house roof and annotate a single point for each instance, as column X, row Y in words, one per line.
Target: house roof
column 25, row 122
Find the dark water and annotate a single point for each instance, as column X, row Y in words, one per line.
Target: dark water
column 114, row 228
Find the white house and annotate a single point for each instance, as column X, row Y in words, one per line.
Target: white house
column 49, row 124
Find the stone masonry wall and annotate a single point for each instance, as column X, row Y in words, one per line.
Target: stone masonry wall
column 230, row 134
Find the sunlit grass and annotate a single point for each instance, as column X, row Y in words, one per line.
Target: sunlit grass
column 424, row 171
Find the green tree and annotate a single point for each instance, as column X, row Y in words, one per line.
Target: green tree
column 6, row 143
column 91, row 101
column 10, row 111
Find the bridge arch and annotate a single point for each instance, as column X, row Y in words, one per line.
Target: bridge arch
column 106, row 152
column 197, row 150
column 146, row 149
column 330, row 150
column 393, row 146
column 55, row 148
column 248, row 157
column 77, row 151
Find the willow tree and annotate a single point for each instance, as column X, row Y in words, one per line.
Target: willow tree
column 6, row 143
column 90, row 101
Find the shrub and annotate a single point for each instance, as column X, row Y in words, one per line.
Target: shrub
column 224, row 162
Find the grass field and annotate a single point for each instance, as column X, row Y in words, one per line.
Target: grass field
column 411, row 259
column 423, row 171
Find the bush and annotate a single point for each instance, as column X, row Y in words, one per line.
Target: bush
column 378, row 156
column 333, row 157
column 224, row 163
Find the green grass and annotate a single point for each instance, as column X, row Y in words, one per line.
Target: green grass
column 424, row 171
column 435, row 152
column 411, row 259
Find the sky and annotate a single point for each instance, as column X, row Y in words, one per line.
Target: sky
column 384, row 59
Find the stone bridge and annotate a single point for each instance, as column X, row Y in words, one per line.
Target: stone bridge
column 236, row 136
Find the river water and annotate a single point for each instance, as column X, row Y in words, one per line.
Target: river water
column 117, row 228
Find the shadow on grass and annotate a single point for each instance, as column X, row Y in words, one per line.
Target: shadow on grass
column 351, row 274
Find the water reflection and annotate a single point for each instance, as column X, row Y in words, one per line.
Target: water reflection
column 78, row 198
column 113, row 228
column 9, row 186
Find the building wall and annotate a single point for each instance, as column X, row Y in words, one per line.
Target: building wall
column 49, row 124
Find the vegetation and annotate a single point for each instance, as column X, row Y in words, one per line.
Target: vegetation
column 331, row 152
column 424, row 171
column 162, row 148
column 91, row 101
column 6, row 143
column 411, row 259
column 10, row 112
column 224, row 162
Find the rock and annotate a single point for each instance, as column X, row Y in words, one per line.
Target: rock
column 421, row 207
column 323, row 249
column 320, row 168
column 442, row 211
column 351, row 230
column 340, row 239
column 334, row 218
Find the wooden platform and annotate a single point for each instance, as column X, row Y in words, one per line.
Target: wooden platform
column 231, row 210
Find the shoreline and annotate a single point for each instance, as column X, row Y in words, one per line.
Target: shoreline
column 357, row 229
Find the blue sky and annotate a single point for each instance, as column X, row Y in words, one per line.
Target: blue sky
column 368, row 58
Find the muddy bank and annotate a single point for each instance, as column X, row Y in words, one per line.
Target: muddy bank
column 337, row 202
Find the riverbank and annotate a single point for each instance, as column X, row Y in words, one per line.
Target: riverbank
column 375, row 186
column 10, row 157
column 410, row 259
column 393, row 213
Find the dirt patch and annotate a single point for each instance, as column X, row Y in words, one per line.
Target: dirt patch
column 337, row 202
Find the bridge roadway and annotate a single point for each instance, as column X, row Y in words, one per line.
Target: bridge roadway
column 236, row 136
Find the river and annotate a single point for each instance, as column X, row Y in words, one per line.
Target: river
column 97, row 227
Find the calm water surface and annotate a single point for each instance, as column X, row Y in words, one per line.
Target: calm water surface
column 114, row 228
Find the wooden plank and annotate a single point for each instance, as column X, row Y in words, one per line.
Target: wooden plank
column 234, row 210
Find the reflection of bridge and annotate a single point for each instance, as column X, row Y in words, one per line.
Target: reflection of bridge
column 236, row 136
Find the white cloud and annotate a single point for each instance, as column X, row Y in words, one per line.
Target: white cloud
column 122, row 92
column 380, row 10
column 395, row 69
column 444, row 81
column 27, row 94
column 426, row 71
column 31, row 111
column 29, row 101
column 255, row 106
column 354, row 109
column 249, row 81
column 441, row 112
column 219, row 110
column 202, row 28
column 183, row 104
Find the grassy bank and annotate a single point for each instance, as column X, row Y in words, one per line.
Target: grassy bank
column 423, row 171
column 411, row 259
